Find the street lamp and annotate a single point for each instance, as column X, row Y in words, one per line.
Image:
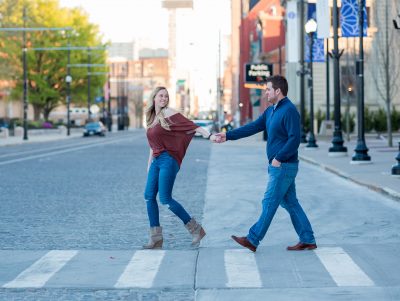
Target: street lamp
column 68, row 80
column 361, row 150
column 88, row 84
column 109, row 116
column 396, row 168
column 337, row 148
column 311, row 28
column 301, row 73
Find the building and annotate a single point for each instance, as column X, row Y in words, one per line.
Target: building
column 131, row 83
column 258, row 31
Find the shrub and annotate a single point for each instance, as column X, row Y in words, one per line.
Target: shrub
column 368, row 120
column 395, row 119
column 380, row 121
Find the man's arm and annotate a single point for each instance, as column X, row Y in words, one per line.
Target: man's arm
column 248, row 129
column 292, row 125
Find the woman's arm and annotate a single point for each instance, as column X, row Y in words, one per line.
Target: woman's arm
column 150, row 158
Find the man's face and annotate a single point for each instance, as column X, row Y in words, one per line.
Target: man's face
column 271, row 94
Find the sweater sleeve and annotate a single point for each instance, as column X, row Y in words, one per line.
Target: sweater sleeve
column 291, row 123
column 248, row 129
column 179, row 123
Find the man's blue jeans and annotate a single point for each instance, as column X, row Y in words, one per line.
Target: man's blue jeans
column 281, row 190
column 160, row 179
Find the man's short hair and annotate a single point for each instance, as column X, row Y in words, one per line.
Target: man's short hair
column 279, row 82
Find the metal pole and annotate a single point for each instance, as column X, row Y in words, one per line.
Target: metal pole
column 89, row 79
column 25, row 78
column 396, row 168
column 68, row 89
column 109, row 119
column 337, row 148
column 303, row 138
column 361, row 150
column 311, row 140
column 328, row 94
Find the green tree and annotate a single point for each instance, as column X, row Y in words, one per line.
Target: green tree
column 47, row 69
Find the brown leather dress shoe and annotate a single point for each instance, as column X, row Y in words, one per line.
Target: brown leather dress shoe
column 243, row 241
column 302, row 246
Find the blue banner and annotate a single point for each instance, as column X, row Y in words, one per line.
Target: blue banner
column 318, row 50
column 319, row 45
column 349, row 19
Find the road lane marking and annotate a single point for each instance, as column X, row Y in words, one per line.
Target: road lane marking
column 141, row 270
column 241, row 269
column 63, row 151
column 42, row 270
column 343, row 270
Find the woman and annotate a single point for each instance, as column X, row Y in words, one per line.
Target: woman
column 169, row 134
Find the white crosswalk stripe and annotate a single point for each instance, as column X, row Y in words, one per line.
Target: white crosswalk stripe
column 241, row 269
column 42, row 270
column 141, row 270
column 215, row 268
column 344, row 271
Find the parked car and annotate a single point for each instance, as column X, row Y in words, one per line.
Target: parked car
column 207, row 124
column 94, row 128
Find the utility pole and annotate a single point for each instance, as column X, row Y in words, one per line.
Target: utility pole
column 25, row 72
column 337, row 148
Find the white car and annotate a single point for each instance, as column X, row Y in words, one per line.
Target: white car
column 204, row 123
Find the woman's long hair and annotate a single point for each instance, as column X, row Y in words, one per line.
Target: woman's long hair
column 151, row 115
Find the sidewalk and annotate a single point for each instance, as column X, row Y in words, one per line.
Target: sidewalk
column 376, row 175
column 38, row 138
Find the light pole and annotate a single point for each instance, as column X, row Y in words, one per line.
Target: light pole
column 311, row 28
column 88, row 87
column 396, row 168
column 337, row 148
column 303, row 138
column 361, row 150
column 328, row 92
column 24, row 63
column 109, row 117
column 68, row 80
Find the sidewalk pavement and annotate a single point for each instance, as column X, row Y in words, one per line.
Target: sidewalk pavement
column 12, row 140
column 376, row 175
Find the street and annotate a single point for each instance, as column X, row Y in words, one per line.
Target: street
column 73, row 219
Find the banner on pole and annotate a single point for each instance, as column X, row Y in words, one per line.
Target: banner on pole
column 323, row 19
column 349, row 19
column 292, row 38
column 319, row 45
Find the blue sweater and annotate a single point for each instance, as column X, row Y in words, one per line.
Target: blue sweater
column 283, row 131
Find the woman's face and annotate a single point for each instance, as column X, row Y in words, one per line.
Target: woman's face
column 161, row 99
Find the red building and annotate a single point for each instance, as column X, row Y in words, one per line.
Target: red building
column 262, row 39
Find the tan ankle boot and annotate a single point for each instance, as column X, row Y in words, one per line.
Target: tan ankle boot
column 156, row 239
column 196, row 230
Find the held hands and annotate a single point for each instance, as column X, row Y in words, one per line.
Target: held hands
column 219, row 138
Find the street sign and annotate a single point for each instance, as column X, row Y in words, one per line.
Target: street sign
column 256, row 74
column 98, row 99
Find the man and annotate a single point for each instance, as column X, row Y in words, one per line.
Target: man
column 282, row 124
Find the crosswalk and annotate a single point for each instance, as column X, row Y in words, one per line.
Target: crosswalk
column 205, row 268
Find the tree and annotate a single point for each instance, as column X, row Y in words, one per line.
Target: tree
column 47, row 69
column 386, row 71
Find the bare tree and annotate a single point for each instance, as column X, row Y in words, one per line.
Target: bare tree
column 386, row 72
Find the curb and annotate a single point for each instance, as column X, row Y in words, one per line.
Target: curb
column 382, row 190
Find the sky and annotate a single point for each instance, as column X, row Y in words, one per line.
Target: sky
column 197, row 31
column 126, row 20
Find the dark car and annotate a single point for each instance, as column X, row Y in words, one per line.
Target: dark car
column 94, row 128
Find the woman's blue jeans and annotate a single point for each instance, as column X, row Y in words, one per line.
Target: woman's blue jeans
column 281, row 190
column 160, row 179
